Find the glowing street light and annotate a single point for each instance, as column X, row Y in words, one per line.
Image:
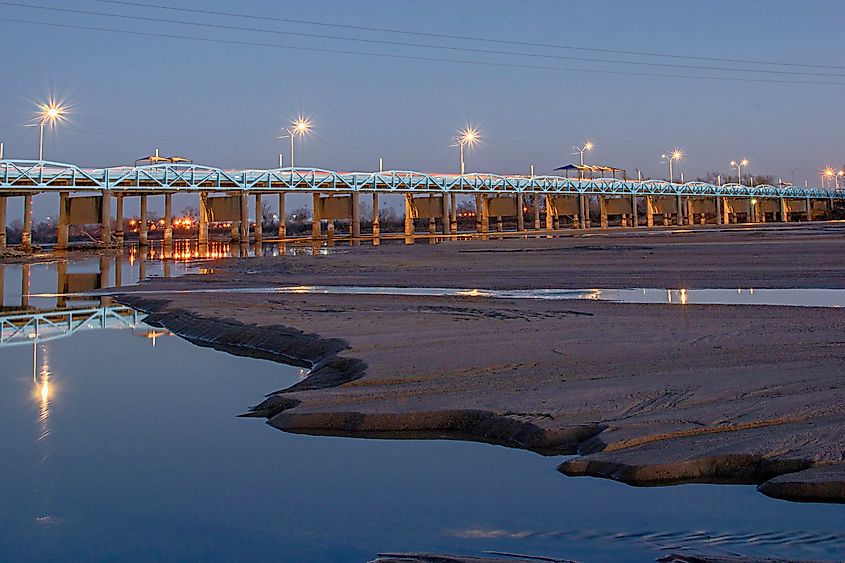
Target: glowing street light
column 469, row 136
column 674, row 156
column 831, row 176
column 586, row 147
column 50, row 113
column 738, row 164
column 299, row 127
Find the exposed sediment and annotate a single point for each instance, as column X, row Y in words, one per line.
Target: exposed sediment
column 646, row 394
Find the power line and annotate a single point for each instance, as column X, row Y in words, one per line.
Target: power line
column 414, row 57
column 465, row 37
column 416, row 45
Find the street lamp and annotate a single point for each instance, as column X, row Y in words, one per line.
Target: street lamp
column 299, row 127
column 50, row 113
column 672, row 157
column 586, row 147
column 468, row 136
column 831, row 177
column 738, row 164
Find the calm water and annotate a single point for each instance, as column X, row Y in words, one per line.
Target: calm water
column 120, row 445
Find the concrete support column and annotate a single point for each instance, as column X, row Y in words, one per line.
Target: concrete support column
column 635, row 214
column 432, row 221
column 603, row 213
column 485, row 214
column 105, row 218
column 202, row 235
column 316, row 219
column 536, row 212
column 703, row 218
column 478, row 213
column 585, row 211
column 330, row 228
column 549, row 213
column 142, row 224
column 118, row 219
column 649, row 212
column 520, row 212
column 453, row 213
column 26, row 273
column 500, row 225
column 409, row 216
column 168, row 219
column 784, row 213
column 684, row 217
column 445, row 217
column 719, row 211
column 356, row 215
column 259, row 228
column 26, row 235
column 283, row 229
column 243, row 231
column 62, row 229
column 2, row 228
column 809, row 209
column 376, row 225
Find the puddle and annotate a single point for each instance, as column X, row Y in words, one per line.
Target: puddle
column 784, row 297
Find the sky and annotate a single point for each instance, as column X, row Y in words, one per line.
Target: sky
column 224, row 102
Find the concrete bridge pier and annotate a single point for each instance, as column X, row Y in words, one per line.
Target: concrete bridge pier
column 649, row 212
column 585, row 211
column 453, row 213
column 520, row 212
column 2, row 227
column 26, row 235
column 142, row 226
column 25, row 285
column 376, row 224
column 409, row 216
column 118, row 218
column 432, row 220
column 316, row 220
column 355, row 228
column 536, row 212
column 445, row 216
column 258, row 232
column 603, row 223
column 549, row 213
column 283, row 230
column 168, row 220
column 243, row 225
column 203, row 221
column 808, row 209
column 684, row 216
column 719, row 211
column 485, row 214
column 784, row 211
column 105, row 218
column 635, row 218
column 62, row 228
column 500, row 225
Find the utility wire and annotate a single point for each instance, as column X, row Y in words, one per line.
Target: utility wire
column 464, row 37
column 416, row 45
column 413, row 57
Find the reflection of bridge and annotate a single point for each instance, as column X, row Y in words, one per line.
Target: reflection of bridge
column 25, row 327
column 496, row 196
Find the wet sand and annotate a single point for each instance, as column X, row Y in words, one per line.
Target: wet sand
column 645, row 394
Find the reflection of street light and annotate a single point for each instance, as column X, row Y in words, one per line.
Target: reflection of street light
column 299, row 127
column 586, row 147
column 738, row 165
column 50, row 113
column 675, row 155
column 468, row 137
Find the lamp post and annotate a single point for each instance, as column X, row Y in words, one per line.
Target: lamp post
column 738, row 164
column 586, row 147
column 51, row 113
column 468, row 137
column 831, row 177
column 299, row 127
column 675, row 155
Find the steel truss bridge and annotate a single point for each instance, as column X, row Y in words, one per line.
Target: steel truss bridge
column 19, row 177
column 26, row 326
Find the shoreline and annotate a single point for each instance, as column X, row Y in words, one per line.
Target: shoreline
column 708, row 393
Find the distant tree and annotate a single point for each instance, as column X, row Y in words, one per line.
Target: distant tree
column 269, row 219
column 299, row 215
column 191, row 213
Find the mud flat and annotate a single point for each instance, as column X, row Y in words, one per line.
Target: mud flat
column 645, row 394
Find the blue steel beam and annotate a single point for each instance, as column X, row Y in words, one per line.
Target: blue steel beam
column 21, row 176
column 23, row 327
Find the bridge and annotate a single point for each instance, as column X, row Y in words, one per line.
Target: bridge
column 224, row 194
column 24, row 327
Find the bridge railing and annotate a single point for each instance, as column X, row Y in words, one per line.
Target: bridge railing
column 18, row 176
column 23, row 327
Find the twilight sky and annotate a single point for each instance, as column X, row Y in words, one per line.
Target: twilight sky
column 223, row 103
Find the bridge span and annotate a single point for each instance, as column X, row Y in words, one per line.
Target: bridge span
column 555, row 201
